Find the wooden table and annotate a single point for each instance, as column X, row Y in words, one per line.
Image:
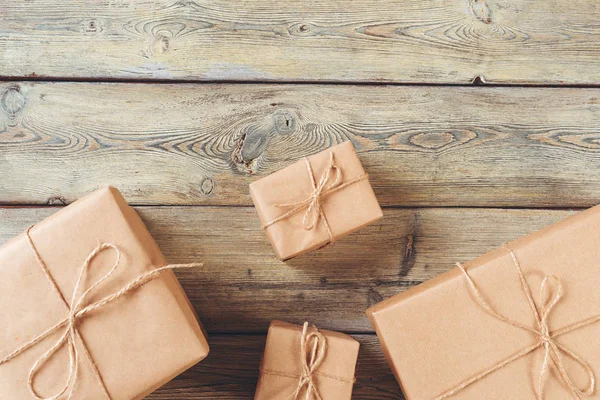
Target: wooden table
column 181, row 104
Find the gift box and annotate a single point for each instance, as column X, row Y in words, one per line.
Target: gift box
column 303, row 362
column 521, row 322
column 85, row 313
column 315, row 201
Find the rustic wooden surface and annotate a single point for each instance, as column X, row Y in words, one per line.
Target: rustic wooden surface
column 441, row 41
column 203, row 144
column 233, row 90
column 246, row 285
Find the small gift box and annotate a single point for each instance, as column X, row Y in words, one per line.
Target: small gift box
column 89, row 308
column 302, row 362
column 521, row 322
column 315, row 201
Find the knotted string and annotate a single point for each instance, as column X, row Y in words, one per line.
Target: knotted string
column 310, row 362
column 77, row 311
column 330, row 182
column 546, row 339
column 313, row 347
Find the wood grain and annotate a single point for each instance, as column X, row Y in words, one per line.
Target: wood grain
column 193, row 144
column 437, row 41
column 231, row 370
column 428, row 149
column 244, row 286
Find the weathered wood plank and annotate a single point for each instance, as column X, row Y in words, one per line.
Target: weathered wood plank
column 231, row 370
column 439, row 41
column 244, row 286
column 203, row 144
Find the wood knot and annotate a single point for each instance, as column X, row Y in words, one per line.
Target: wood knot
column 12, row 103
column 283, row 122
column 433, row 140
column 303, row 29
column 481, row 10
column 587, row 141
column 91, row 26
column 248, row 148
column 255, row 138
column 161, row 43
column 207, row 186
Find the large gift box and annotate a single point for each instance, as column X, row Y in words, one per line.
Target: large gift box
column 83, row 317
column 521, row 322
column 315, row 201
column 303, row 362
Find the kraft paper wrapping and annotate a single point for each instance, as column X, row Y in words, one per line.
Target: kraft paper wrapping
column 346, row 210
column 138, row 342
column 435, row 336
column 282, row 357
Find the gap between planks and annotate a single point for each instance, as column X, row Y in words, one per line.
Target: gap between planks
column 475, row 83
column 332, row 287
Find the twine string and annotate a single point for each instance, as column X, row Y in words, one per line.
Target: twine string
column 546, row 339
column 313, row 348
column 77, row 310
column 331, row 181
column 310, row 362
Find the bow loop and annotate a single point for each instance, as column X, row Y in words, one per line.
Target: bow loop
column 330, row 181
column 77, row 309
column 76, row 312
column 314, row 211
column 549, row 297
column 313, row 355
column 40, row 362
column 550, row 294
column 313, row 346
column 587, row 390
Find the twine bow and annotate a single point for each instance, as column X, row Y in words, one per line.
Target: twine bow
column 313, row 347
column 78, row 309
column 330, row 182
column 310, row 361
column 545, row 338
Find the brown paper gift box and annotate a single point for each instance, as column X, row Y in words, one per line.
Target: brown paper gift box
column 435, row 336
column 281, row 366
column 346, row 210
column 138, row 342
